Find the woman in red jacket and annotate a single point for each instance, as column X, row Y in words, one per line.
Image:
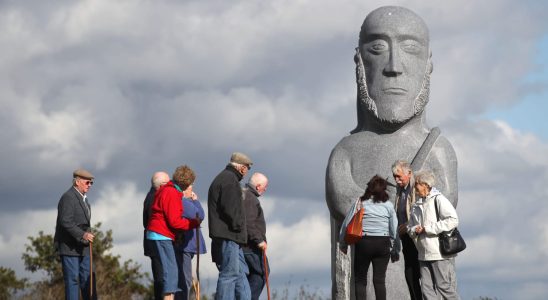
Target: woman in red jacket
column 165, row 220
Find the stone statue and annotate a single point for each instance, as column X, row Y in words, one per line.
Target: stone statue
column 393, row 68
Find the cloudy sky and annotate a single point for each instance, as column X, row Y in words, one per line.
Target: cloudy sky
column 126, row 88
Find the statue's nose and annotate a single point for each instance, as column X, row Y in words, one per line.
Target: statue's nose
column 393, row 66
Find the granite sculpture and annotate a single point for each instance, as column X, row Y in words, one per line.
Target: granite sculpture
column 393, row 68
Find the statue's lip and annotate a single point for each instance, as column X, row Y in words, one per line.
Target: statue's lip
column 395, row 90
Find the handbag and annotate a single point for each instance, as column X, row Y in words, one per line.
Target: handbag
column 354, row 230
column 451, row 242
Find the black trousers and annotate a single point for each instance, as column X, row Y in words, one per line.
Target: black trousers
column 371, row 250
column 412, row 267
column 156, row 266
column 256, row 276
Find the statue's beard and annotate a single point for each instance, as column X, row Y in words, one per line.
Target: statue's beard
column 366, row 103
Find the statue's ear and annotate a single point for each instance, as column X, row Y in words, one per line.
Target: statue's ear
column 429, row 63
column 357, row 56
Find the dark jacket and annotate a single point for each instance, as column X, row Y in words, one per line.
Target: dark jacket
column 147, row 211
column 73, row 220
column 256, row 225
column 226, row 215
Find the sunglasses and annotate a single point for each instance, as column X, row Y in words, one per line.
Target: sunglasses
column 88, row 182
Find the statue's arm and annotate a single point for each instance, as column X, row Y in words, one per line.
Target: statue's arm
column 443, row 162
column 341, row 189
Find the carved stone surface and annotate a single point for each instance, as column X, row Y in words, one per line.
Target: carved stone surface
column 393, row 68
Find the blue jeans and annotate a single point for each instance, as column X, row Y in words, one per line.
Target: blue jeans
column 184, row 262
column 232, row 282
column 76, row 276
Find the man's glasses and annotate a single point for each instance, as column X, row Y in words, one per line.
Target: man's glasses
column 88, row 182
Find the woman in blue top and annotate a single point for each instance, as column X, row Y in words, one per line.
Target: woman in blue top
column 380, row 240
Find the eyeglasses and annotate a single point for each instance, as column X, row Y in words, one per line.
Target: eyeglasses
column 88, row 182
column 248, row 167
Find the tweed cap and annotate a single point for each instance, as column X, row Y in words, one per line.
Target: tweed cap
column 241, row 158
column 82, row 173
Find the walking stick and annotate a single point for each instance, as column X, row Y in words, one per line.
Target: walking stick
column 197, row 288
column 266, row 274
column 90, row 271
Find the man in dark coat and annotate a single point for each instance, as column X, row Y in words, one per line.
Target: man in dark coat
column 227, row 229
column 158, row 179
column 256, row 233
column 73, row 236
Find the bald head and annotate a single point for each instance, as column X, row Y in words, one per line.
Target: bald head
column 159, row 179
column 259, row 182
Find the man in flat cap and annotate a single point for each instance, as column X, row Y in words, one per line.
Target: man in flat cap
column 73, row 236
column 227, row 229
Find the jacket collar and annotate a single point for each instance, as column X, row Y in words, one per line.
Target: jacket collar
column 231, row 168
column 252, row 189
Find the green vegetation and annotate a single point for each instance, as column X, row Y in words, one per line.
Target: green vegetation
column 115, row 279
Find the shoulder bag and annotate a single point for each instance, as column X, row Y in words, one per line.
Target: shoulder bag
column 354, row 231
column 451, row 242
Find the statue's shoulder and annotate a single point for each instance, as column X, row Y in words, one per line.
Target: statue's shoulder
column 356, row 140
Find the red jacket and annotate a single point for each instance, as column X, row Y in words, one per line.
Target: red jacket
column 166, row 212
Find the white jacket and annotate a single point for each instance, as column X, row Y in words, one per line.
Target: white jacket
column 423, row 213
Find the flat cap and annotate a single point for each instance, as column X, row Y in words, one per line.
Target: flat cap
column 241, row 158
column 82, row 173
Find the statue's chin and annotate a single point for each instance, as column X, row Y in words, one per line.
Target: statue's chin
column 394, row 118
column 388, row 117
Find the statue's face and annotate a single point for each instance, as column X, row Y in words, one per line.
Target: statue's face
column 395, row 50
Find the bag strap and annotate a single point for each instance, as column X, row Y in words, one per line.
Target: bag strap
column 436, row 207
column 422, row 153
column 425, row 149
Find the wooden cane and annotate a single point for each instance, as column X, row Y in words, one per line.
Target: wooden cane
column 197, row 287
column 90, row 271
column 266, row 274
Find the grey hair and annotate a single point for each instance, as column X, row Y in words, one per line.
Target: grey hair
column 401, row 165
column 426, row 177
column 237, row 165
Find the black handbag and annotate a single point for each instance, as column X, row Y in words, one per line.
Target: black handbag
column 451, row 242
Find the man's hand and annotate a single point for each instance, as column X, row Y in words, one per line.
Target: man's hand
column 88, row 236
column 262, row 245
column 193, row 196
column 394, row 257
column 419, row 229
column 344, row 249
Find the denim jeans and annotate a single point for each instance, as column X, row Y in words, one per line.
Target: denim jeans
column 169, row 266
column 184, row 262
column 76, row 276
column 232, row 283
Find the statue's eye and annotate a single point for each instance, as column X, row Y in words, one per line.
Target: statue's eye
column 378, row 46
column 411, row 46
